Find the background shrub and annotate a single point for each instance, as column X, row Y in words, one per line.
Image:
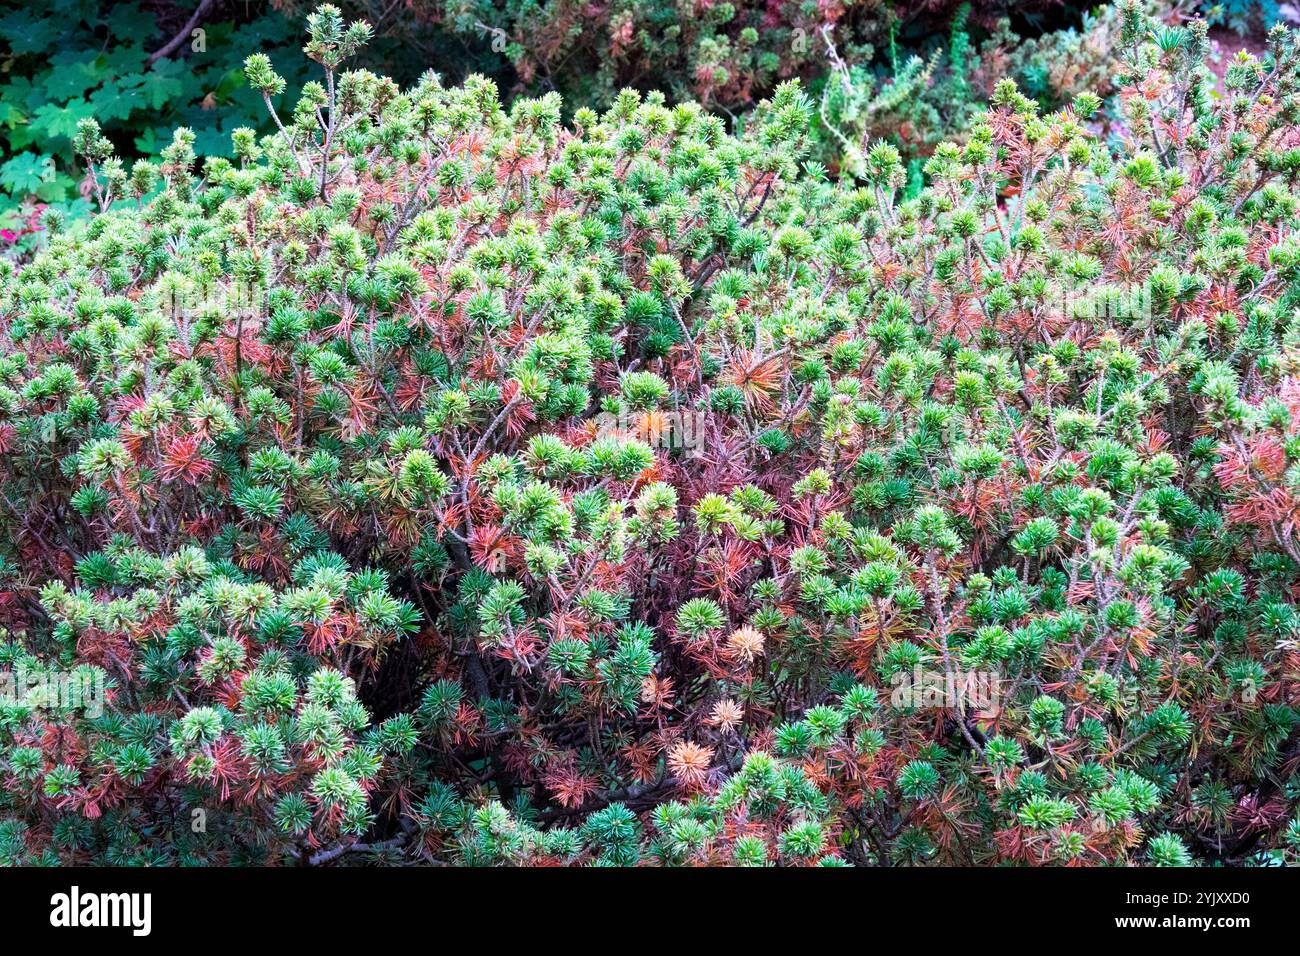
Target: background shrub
column 141, row 70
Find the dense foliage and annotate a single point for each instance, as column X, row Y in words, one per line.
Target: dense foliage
column 725, row 55
column 344, row 469
column 141, row 70
column 69, row 60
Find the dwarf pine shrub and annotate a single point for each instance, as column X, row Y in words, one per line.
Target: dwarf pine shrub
column 436, row 481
